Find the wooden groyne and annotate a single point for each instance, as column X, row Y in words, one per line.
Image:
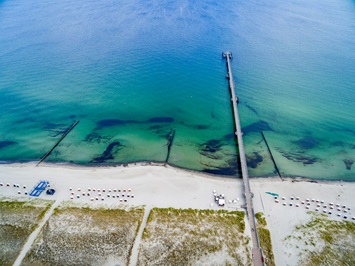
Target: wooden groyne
column 256, row 250
column 57, row 143
column 170, row 138
column 272, row 157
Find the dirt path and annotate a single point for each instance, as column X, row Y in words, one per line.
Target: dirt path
column 135, row 249
column 27, row 246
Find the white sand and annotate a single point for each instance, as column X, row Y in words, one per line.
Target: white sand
column 153, row 186
column 157, row 186
column 282, row 220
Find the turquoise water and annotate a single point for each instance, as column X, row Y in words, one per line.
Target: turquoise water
column 131, row 71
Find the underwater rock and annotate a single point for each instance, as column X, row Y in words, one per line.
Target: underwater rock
column 231, row 169
column 306, row 143
column 254, row 159
column 108, row 154
column 257, row 127
column 348, row 163
column 7, row 143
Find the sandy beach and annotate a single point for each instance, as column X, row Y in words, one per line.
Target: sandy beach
column 158, row 186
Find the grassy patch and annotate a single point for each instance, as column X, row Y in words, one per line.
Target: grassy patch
column 335, row 241
column 17, row 221
column 265, row 238
column 188, row 237
column 77, row 235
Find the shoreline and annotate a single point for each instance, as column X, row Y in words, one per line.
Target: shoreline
column 295, row 178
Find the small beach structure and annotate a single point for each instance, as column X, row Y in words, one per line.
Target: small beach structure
column 39, row 188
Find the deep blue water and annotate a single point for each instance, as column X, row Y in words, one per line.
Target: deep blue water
column 132, row 71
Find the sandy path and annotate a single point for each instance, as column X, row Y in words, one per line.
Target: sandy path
column 27, row 246
column 135, row 249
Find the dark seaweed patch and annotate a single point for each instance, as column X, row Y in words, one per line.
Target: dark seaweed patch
column 161, row 120
column 231, row 169
column 306, row 143
column 7, row 143
column 113, row 122
column 254, row 159
column 348, row 163
column 109, row 153
column 211, row 146
column 95, row 137
column 229, row 136
column 256, row 127
column 56, row 129
column 298, row 157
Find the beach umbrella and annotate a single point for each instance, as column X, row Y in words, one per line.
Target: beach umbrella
column 124, row 190
column 71, row 197
column 338, row 205
column 129, row 190
column 339, row 209
column 317, row 200
column 122, row 195
column 348, row 209
column 115, row 190
column 307, row 200
column 108, row 195
column 284, row 204
column 317, row 209
column 331, row 207
column 345, row 217
column 353, row 218
column 97, row 198
column 325, row 206
column 70, row 189
column 128, row 195
column 318, row 205
column 322, row 201
column 99, row 194
column 113, row 196
column 109, row 190
column 1, row 184
column 329, row 212
column 93, row 189
column 344, row 210
column 7, row 184
column 92, row 199
column 79, row 189
column 102, row 198
column 313, row 200
column 297, row 205
column 290, row 203
column 19, row 192
column 103, row 190
column 72, row 193
column 24, row 186
column 339, row 214
column 291, row 197
column 84, row 193
column 302, row 202
column 331, row 203
column 132, row 196
column 121, row 200
column 26, row 192
column 125, row 200
column 89, row 189
column 344, row 206
column 88, row 194
column 78, row 196
column 307, row 207
column 308, row 203
column 325, row 211
column 277, row 201
column 98, row 190
column 283, row 198
column 297, row 198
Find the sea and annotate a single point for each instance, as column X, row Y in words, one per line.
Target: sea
column 147, row 82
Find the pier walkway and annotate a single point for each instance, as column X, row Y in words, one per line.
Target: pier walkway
column 256, row 250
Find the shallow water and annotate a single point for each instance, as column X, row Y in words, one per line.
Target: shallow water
column 133, row 71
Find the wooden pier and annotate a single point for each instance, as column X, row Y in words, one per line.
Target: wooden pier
column 258, row 259
column 57, row 143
